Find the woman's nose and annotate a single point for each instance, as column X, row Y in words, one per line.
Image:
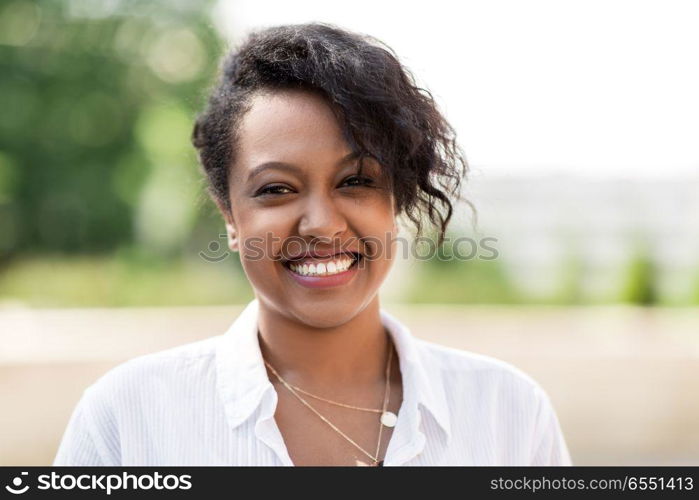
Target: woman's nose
column 321, row 219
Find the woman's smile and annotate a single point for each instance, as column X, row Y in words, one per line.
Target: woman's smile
column 324, row 271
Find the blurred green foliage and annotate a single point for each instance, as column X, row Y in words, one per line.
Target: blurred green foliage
column 639, row 286
column 122, row 280
column 98, row 100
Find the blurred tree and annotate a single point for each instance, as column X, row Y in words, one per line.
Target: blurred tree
column 640, row 285
column 97, row 101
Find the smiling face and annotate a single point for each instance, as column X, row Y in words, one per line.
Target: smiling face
column 294, row 189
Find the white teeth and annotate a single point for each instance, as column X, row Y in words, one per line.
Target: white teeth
column 335, row 266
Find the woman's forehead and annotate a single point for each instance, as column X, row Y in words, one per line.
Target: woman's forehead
column 288, row 125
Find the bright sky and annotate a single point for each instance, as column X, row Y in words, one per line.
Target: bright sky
column 606, row 88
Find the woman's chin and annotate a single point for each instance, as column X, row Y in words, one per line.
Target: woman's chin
column 326, row 312
column 319, row 315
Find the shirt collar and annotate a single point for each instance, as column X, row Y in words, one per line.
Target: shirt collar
column 242, row 378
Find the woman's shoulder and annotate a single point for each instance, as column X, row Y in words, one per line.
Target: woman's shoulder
column 514, row 408
column 145, row 387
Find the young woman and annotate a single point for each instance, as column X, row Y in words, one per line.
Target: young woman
column 315, row 142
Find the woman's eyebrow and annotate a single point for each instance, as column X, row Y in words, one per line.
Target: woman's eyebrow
column 280, row 165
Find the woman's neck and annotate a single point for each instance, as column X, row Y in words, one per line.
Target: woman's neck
column 350, row 355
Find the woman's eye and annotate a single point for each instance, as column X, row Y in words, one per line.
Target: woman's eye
column 358, row 180
column 273, row 189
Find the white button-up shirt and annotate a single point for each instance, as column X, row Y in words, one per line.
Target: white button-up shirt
column 211, row 403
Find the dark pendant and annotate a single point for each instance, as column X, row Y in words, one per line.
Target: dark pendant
column 380, row 464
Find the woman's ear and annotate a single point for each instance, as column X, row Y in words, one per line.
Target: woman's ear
column 231, row 228
column 232, row 236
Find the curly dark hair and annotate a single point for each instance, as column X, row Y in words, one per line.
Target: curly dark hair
column 383, row 113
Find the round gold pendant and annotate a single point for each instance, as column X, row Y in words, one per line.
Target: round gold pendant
column 389, row 419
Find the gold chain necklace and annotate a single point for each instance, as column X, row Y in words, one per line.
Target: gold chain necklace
column 387, row 418
column 336, row 403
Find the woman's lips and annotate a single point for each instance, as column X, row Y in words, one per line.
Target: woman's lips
column 324, row 281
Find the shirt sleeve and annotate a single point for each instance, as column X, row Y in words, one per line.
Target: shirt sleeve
column 550, row 447
column 86, row 440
